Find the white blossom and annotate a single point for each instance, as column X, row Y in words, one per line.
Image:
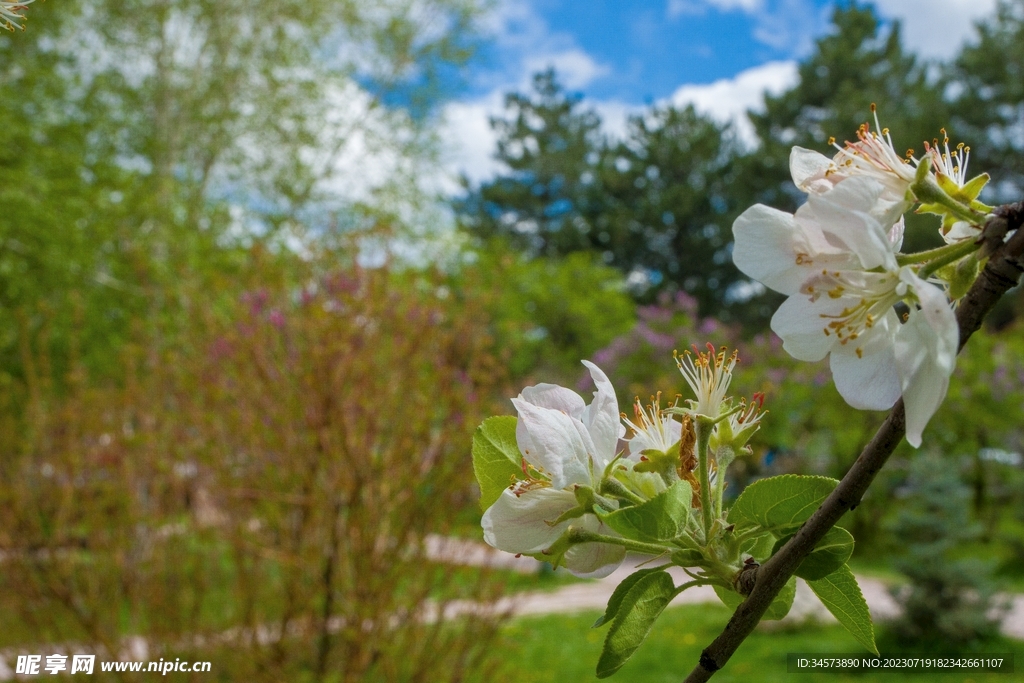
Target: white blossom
column 872, row 156
column 837, row 264
column 565, row 444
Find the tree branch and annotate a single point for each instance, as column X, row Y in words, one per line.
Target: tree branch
column 1002, row 272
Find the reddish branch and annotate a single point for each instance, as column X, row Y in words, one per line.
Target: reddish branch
column 1001, row 273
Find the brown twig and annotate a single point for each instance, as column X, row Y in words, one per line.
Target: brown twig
column 1002, row 272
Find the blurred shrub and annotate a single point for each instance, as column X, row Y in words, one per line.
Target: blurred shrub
column 548, row 313
column 259, row 495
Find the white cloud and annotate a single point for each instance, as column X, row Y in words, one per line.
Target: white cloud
column 526, row 44
column 677, row 8
column 576, row 69
column 467, row 142
column 615, row 115
column 791, row 26
column 785, row 25
column 936, row 28
column 729, row 99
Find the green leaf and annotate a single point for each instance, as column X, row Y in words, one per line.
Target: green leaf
column 661, row 518
column 831, row 553
column 780, row 504
column 759, row 547
column 638, row 610
column 497, row 461
column 615, row 601
column 779, row 608
column 840, row 593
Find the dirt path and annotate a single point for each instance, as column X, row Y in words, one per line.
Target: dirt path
column 593, row 595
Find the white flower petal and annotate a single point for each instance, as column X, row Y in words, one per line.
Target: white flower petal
column 856, row 194
column 925, row 350
column 891, row 206
column 842, row 215
column 553, row 442
column 767, row 245
column 960, row 231
column 868, row 381
column 810, row 170
column 896, row 235
column 601, row 418
column 553, row 396
column 593, row 560
column 801, row 325
column 519, row 524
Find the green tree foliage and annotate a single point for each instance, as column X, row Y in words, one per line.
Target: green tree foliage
column 63, row 246
column 551, row 147
column 143, row 143
column 669, row 197
column 657, row 205
column 855, row 65
column 989, row 109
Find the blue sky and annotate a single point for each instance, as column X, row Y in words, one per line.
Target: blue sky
column 623, row 55
column 645, row 49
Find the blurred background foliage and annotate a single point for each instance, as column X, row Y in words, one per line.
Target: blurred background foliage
column 236, row 395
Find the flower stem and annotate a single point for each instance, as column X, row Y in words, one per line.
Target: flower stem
column 703, row 426
column 613, row 487
column 725, row 455
column 955, row 252
column 923, row 256
column 584, row 536
column 691, row 584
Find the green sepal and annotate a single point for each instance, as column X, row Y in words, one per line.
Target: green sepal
column 948, row 185
column 780, row 504
column 841, row 595
column 661, row 518
column 639, row 608
column 946, row 272
column 555, row 552
column 659, row 462
column 779, row 608
column 831, row 553
column 972, row 189
column 497, row 462
column 932, row 207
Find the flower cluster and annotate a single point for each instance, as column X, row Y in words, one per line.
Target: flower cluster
column 566, row 446
column 580, row 466
column 883, row 318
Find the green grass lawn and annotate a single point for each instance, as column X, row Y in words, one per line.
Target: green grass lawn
column 558, row 649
